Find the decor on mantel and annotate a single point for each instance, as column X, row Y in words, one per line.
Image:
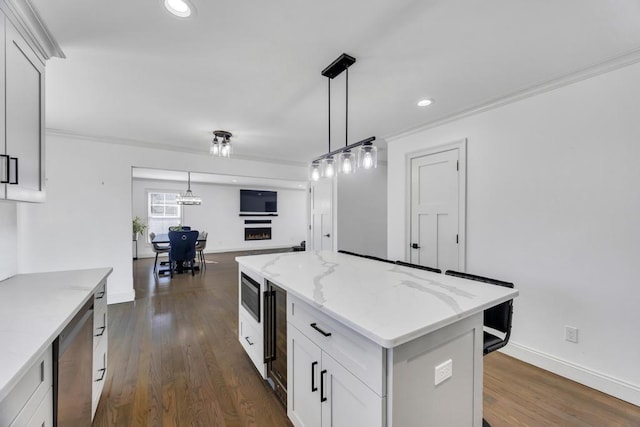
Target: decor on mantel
column 347, row 161
column 188, row 198
column 222, row 147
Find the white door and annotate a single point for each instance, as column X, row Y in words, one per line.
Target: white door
column 435, row 209
column 303, row 367
column 322, row 215
column 349, row 402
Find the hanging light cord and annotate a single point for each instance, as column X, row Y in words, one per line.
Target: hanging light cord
column 329, row 80
column 346, row 112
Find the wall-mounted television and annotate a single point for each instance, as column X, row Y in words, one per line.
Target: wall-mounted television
column 258, row 202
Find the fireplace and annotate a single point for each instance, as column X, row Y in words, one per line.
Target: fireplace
column 257, row 233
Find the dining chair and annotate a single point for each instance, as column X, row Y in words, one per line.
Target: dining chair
column 158, row 249
column 420, row 267
column 200, row 245
column 497, row 319
column 182, row 249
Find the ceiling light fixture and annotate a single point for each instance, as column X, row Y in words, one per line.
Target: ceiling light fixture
column 367, row 158
column 221, row 147
column 188, row 198
column 179, row 8
column 424, row 102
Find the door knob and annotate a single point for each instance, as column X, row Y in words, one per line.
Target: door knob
column 415, row 246
column 327, row 235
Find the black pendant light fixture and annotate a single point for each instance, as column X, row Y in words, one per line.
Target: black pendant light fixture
column 221, row 147
column 345, row 160
column 189, row 198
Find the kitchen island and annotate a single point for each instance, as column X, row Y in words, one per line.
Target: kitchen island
column 34, row 310
column 375, row 343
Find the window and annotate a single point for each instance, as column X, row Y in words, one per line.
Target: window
column 163, row 211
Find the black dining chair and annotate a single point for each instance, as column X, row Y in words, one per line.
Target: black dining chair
column 420, row 267
column 182, row 249
column 498, row 318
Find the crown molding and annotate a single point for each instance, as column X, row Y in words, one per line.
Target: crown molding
column 596, row 69
column 29, row 23
column 166, row 147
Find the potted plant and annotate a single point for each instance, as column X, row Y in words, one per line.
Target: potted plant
column 138, row 227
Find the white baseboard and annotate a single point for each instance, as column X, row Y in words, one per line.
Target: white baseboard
column 121, row 297
column 613, row 386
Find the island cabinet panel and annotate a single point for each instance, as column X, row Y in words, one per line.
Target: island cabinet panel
column 100, row 344
column 303, row 369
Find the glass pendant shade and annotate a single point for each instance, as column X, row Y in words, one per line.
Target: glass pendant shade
column 367, row 156
column 225, row 149
column 346, row 162
column 314, row 171
column 328, row 167
column 214, row 150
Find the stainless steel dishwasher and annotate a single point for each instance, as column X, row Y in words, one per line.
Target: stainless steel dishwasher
column 73, row 370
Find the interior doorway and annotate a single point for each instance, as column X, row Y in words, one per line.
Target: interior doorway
column 321, row 201
column 437, row 207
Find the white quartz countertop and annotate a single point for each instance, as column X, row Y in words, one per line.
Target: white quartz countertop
column 34, row 309
column 387, row 303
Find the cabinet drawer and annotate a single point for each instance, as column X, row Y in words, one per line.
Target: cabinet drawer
column 250, row 336
column 43, row 417
column 99, row 374
column 359, row 355
column 25, row 397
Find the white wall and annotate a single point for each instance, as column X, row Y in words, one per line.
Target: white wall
column 361, row 217
column 553, row 205
column 86, row 220
column 218, row 215
column 8, row 239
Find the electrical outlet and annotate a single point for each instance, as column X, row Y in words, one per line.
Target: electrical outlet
column 443, row 371
column 571, row 334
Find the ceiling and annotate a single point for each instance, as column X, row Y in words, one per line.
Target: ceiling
column 134, row 73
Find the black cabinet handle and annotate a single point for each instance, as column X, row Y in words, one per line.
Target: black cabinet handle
column 323, row 398
column 313, row 377
column 15, row 159
column 327, row 235
column 315, row 326
column 5, row 178
column 247, row 338
column 102, row 329
column 102, row 372
column 415, row 246
column 269, row 326
column 100, row 295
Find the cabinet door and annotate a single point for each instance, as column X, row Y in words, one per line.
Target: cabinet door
column 303, row 365
column 24, row 89
column 349, row 402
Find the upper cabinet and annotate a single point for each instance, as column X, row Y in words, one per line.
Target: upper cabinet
column 26, row 45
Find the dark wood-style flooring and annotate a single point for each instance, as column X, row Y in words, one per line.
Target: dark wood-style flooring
column 174, row 360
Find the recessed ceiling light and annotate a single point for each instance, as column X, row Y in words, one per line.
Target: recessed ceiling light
column 179, row 8
column 424, row 102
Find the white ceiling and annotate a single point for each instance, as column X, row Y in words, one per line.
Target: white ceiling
column 133, row 72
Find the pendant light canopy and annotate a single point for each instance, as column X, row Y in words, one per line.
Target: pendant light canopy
column 189, row 198
column 360, row 155
column 221, row 147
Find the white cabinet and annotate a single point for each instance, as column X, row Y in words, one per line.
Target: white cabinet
column 22, row 124
column 30, row 401
column 100, row 326
column 322, row 391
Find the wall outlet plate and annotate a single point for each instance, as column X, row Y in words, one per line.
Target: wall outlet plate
column 571, row 333
column 443, row 371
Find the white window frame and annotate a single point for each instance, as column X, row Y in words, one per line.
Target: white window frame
column 155, row 217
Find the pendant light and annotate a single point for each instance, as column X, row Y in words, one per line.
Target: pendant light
column 188, row 198
column 360, row 155
column 221, row 147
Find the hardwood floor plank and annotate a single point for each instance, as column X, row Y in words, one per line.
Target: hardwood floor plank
column 175, row 360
